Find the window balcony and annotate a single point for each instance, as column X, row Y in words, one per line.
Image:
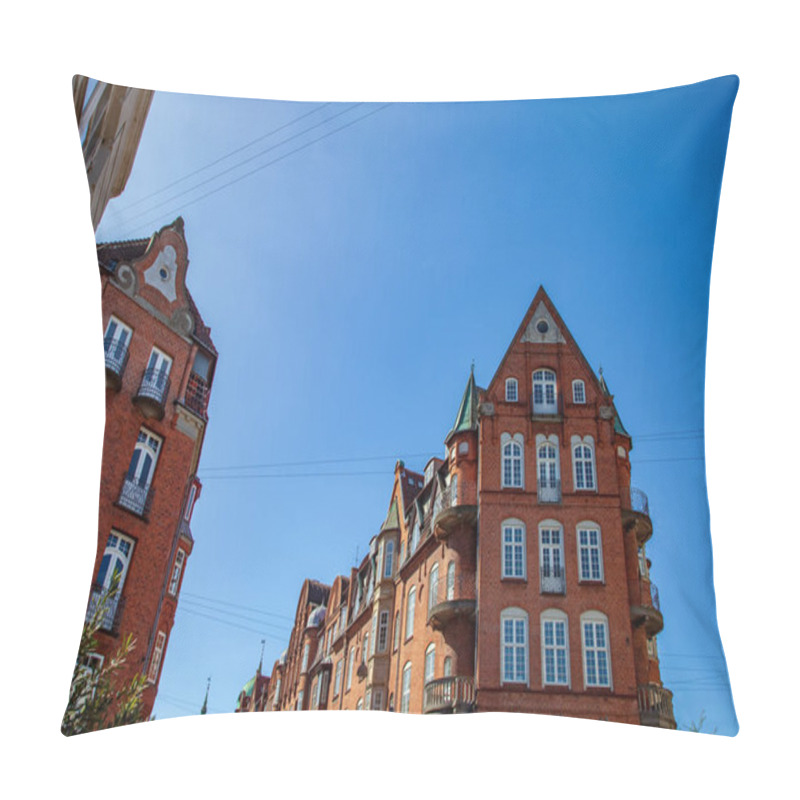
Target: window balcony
column 655, row 706
column 548, row 411
column 136, row 498
column 452, row 602
column 197, row 394
column 649, row 612
column 151, row 397
column 636, row 513
column 116, row 361
column 548, row 490
column 452, row 512
column 106, row 608
column 553, row 580
column 453, row 695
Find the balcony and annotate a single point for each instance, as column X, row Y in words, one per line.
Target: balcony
column 548, row 490
column 552, row 580
column 544, row 411
column 453, row 513
column 636, row 513
column 453, row 695
column 197, row 394
column 152, row 394
column 136, row 498
column 456, row 601
column 116, row 360
column 655, row 706
column 105, row 608
column 649, row 613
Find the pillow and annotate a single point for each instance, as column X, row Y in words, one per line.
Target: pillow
column 452, row 458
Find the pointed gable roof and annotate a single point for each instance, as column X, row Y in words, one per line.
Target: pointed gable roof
column 467, row 416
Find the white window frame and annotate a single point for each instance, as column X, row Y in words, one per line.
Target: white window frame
column 405, row 697
column 156, row 657
column 430, row 664
column 351, row 658
column 411, row 603
column 433, row 586
column 396, row 638
column 584, row 470
column 551, row 554
column 594, row 654
column 144, row 458
column 512, row 452
column 304, row 663
column 120, row 336
column 383, row 631
column 377, row 699
column 187, row 514
column 578, row 392
column 177, row 571
column 545, row 384
column 447, row 667
column 451, row 581
column 512, row 390
column 160, row 362
column 388, row 559
column 513, row 648
column 548, row 466
column 590, row 570
column 337, row 678
column 552, row 621
column 514, row 540
column 118, row 551
column 360, row 704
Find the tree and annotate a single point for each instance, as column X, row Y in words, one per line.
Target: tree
column 697, row 727
column 93, row 692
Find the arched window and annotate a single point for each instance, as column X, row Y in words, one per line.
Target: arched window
column 513, row 469
column 433, row 587
column 583, row 463
column 114, row 566
column 405, row 696
column 596, row 653
column 548, row 473
column 514, row 645
column 513, row 549
column 590, row 552
column 451, row 580
column 430, row 662
column 512, row 394
column 136, row 487
column 555, row 648
column 388, row 559
column 544, row 392
column 411, row 602
column 578, row 392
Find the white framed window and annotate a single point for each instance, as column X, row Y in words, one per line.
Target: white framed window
column 513, row 468
column 377, row 699
column 116, row 341
column 433, row 587
column 513, row 549
column 155, row 659
column 544, row 392
column 374, row 635
column 388, row 559
column 360, row 704
column 451, row 580
column 642, row 563
column 300, row 700
column 315, row 692
column 187, row 514
column 177, row 569
column 414, row 538
column 304, row 665
column 405, row 696
column 652, row 647
column 383, row 631
column 590, row 552
column 430, row 662
column 555, row 648
column 115, row 562
column 596, row 656
column 365, row 648
column 337, row 679
column 410, row 604
column 548, row 471
column 514, row 645
column 447, row 667
column 578, row 392
column 551, row 556
column 512, row 390
column 350, row 661
column 144, row 458
column 158, row 368
column 367, row 700
column 396, row 642
column 583, row 463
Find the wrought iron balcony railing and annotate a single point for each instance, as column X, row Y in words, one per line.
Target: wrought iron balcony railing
column 136, row 498
column 108, row 607
column 453, row 694
column 154, row 385
column 655, row 706
column 636, row 500
column 548, row 490
column 116, row 356
column 553, row 579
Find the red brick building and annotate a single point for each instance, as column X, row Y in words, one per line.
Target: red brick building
column 160, row 363
column 511, row 575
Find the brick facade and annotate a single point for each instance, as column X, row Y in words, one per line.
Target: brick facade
column 153, row 439
column 557, row 619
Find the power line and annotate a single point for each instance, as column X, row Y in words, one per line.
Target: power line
column 233, row 624
column 227, row 155
column 273, row 162
column 293, row 475
column 284, row 628
column 320, row 461
column 236, row 605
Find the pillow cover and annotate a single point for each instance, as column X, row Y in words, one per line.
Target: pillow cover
column 462, row 538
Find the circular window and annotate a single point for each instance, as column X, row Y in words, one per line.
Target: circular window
column 542, row 326
column 164, row 273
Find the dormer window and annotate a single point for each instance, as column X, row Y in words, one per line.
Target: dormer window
column 512, row 393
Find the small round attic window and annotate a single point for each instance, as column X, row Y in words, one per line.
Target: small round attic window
column 542, row 326
column 164, row 273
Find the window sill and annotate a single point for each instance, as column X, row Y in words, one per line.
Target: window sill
column 513, row 579
column 591, row 582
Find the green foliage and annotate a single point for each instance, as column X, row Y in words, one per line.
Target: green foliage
column 93, row 692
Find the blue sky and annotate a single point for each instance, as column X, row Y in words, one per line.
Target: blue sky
column 350, row 284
